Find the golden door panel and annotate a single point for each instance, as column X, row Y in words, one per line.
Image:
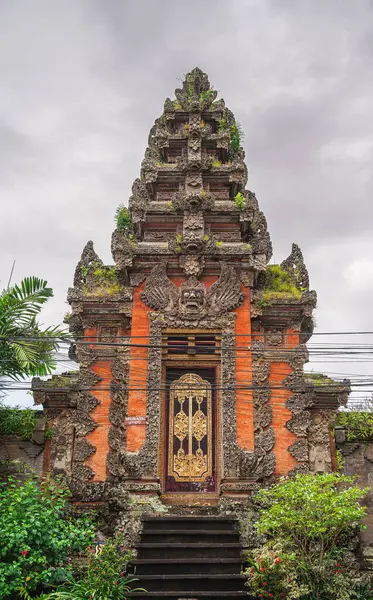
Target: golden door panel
column 190, row 431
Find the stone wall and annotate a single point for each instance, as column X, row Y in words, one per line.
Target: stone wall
column 18, row 457
column 358, row 460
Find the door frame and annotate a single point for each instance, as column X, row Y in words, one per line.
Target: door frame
column 187, row 363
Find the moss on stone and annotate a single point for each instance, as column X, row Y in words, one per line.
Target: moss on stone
column 63, row 380
column 319, row 379
column 278, row 287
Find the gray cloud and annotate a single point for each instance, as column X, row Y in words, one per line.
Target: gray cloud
column 83, row 82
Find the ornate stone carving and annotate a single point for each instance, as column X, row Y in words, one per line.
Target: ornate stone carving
column 138, row 201
column 194, row 201
column 192, row 300
column 257, row 464
column 196, row 93
column 294, row 265
column 88, row 259
column 191, row 264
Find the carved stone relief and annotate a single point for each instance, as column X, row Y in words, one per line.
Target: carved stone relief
column 191, row 299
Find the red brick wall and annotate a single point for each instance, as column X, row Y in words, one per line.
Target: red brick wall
column 244, row 397
column 138, row 371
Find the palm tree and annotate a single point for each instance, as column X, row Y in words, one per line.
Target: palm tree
column 25, row 348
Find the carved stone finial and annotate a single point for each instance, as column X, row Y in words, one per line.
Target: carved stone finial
column 196, row 92
column 294, row 265
column 87, row 259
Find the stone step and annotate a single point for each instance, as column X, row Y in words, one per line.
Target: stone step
column 189, row 582
column 196, row 595
column 188, row 535
column 165, row 566
column 189, row 522
column 189, row 550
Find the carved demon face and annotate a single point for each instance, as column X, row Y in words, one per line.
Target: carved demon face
column 192, row 296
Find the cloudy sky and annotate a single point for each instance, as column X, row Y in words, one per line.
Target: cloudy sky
column 81, row 85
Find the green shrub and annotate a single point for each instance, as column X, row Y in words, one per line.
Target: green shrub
column 105, row 578
column 308, row 520
column 38, row 537
column 17, row 421
column 358, row 424
column 123, row 218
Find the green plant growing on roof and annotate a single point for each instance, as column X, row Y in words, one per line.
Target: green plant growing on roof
column 218, row 244
column 240, row 201
column 235, row 136
column 132, row 240
column 278, row 286
column 123, row 218
column 216, row 162
column 84, row 271
column 206, row 95
column 105, row 279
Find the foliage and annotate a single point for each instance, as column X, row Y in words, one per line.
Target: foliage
column 25, row 348
column 38, row 537
column 84, row 270
column 105, row 577
column 208, row 95
column 105, row 279
column 278, row 286
column 17, row 421
column 216, row 162
column 358, row 424
column 311, row 518
column 320, row 380
column 272, row 573
column 206, row 237
column 178, row 241
column 339, row 461
column 240, row 200
column 235, row 137
column 123, row 218
column 219, row 244
column 235, row 131
column 132, row 240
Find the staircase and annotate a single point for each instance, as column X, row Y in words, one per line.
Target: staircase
column 189, row 557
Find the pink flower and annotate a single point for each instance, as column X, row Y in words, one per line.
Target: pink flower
column 264, row 583
column 277, row 561
column 24, row 552
column 262, row 569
